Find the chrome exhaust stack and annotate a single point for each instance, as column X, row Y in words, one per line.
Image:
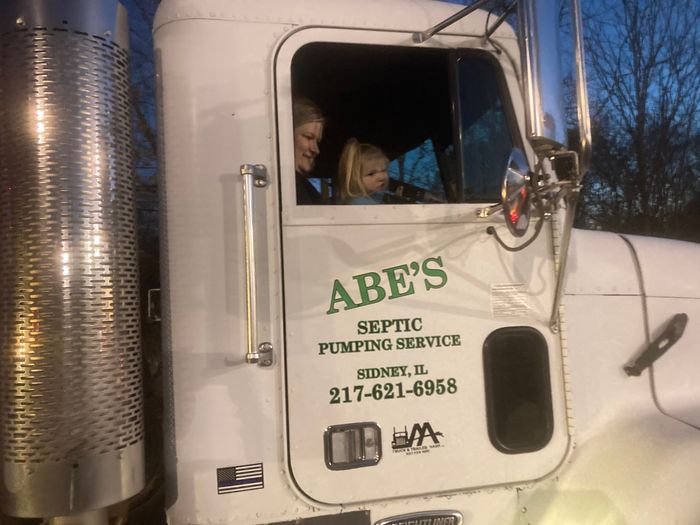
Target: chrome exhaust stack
column 70, row 369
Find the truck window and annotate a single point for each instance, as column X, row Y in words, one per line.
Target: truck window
column 485, row 134
column 414, row 175
column 438, row 115
column 518, row 391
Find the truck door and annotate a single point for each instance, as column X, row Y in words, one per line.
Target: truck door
column 404, row 321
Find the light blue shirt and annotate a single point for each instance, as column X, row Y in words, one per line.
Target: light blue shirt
column 375, row 198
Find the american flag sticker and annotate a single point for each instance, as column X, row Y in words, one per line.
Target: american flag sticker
column 240, row 478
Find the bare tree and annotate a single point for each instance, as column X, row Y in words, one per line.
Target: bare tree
column 644, row 73
column 147, row 507
column 141, row 15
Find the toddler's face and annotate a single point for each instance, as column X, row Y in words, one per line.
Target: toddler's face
column 374, row 175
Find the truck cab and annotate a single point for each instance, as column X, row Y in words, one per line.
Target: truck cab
column 415, row 359
column 411, row 354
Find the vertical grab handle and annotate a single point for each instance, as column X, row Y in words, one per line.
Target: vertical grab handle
column 254, row 176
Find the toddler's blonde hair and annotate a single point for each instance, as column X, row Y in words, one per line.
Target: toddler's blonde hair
column 350, row 167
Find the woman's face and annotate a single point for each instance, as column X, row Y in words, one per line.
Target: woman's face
column 306, row 139
column 374, row 175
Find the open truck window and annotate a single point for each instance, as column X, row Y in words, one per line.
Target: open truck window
column 438, row 115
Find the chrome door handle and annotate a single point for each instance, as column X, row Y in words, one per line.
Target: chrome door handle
column 254, row 176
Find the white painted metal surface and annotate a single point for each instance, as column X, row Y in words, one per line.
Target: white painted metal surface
column 225, row 412
column 669, row 268
column 403, row 15
column 631, row 463
column 600, row 264
column 672, row 285
column 463, row 266
column 224, row 70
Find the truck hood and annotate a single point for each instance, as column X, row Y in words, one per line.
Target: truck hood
column 603, row 263
column 664, row 275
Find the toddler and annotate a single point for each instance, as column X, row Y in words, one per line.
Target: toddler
column 362, row 173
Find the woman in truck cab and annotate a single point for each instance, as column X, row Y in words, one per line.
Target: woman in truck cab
column 308, row 132
column 362, row 173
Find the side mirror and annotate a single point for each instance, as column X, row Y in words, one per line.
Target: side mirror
column 539, row 45
column 543, row 82
column 515, row 193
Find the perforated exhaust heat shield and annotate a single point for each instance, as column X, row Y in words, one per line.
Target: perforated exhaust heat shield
column 70, row 369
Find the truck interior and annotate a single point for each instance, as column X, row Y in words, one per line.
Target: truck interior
column 436, row 113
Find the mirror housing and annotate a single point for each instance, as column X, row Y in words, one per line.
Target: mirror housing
column 543, row 81
column 584, row 117
column 543, row 87
column 515, row 193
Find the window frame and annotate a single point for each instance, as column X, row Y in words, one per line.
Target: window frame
column 452, row 212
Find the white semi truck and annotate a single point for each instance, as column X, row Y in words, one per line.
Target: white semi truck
column 457, row 354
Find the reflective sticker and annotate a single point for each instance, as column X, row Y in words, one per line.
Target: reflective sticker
column 239, row 478
column 508, row 300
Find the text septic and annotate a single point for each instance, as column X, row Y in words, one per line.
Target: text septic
column 383, row 326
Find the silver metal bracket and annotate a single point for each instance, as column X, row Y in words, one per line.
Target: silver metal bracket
column 485, row 213
column 154, row 314
column 422, row 36
column 572, row 200
column 263, row 357
column 259, row 173
column 266, row 357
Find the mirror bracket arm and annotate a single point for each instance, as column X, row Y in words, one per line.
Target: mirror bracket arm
column 422, row 36
column 571, row 195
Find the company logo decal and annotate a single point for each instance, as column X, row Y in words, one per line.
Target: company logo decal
column 422, row 439
column 391, row 283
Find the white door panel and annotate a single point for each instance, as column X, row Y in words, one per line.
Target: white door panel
column 436, row 312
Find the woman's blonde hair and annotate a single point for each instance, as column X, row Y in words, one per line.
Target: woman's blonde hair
column 305, row 111
column 350, row 167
